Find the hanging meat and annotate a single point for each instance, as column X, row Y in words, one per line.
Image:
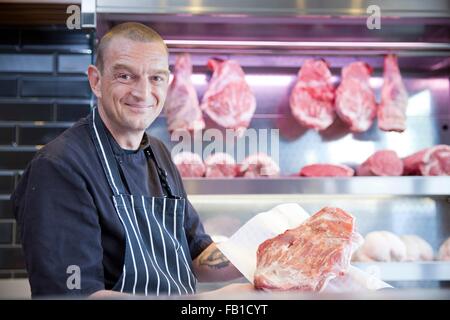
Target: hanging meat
column 394, row 98
column 434, row 161
column 381, row 163
column 181, row 107
column 229, row 100
column 259, row 165
column 312, row 99
column 190, row 165
column 307, row 257
column 355, row 100
column 326, row 170
column 220, row 165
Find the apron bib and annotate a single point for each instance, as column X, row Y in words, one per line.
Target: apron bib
column 157, row 258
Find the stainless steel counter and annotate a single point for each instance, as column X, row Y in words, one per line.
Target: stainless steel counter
column 392, row 186
column 408, row 271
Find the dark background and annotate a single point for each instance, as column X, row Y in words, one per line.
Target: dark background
column 43, row 91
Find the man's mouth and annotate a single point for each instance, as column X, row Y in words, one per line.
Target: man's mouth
column 138, row 107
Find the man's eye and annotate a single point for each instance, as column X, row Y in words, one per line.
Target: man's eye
column 158, row 78
column 124, row 76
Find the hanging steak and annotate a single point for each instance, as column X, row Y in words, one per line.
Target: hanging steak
column 355, row 100
column 444, row 251
column 220, row 165
column 307, row 257
column 181, row 108
column 417, row 249
column 258, row 165
column 381, row 246
column 394, row 98
column 228, row 100
column 189, row 164
column 326, row 170
column 434, row 161
column 312, row 99
column 381, row 163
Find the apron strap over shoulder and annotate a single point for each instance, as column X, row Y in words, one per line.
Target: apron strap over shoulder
column 106, row 154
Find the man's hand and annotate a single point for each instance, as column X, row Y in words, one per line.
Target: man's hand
column 211, row 265
column 229, row 291
column 109, row 294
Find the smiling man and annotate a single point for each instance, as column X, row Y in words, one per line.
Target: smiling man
column 102, row 208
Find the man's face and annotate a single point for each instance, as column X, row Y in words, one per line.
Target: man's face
column 133, row 84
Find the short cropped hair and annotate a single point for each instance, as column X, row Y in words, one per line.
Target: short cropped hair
column 129, row 30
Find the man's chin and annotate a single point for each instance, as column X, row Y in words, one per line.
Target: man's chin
column 142, row 126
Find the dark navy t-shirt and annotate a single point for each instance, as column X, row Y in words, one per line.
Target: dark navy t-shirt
column 64, row 208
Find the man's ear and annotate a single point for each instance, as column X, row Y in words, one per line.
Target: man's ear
column 95, row 78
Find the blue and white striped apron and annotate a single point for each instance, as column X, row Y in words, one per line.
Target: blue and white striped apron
column 157, row 258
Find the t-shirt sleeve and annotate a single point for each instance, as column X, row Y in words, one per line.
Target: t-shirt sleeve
column 197, row 238
column 60, row 230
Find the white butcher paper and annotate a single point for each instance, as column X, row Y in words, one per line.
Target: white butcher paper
column 242, row 246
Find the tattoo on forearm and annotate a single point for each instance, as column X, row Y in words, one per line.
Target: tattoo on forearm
column 215, row 260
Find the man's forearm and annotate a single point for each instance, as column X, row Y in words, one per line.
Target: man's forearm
column 109, row 294
column 212, row 265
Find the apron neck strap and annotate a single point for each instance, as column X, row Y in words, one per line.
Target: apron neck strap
column 162, row 174
column 105, row 153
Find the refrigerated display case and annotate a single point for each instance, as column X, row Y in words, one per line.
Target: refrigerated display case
column 271, row 40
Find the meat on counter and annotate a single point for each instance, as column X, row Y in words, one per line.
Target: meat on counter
column 312, row 99
column 259, row 165
column 381, row 163
column 444, row 251
column 220, row 165
column 434, row 161
column 326, row 170
column 394, row 98
column 417, row 249
column 229, row 100
column 307, row 257
column 383, row 246
column 355, row 99
column 182, row 108
column 190, row 165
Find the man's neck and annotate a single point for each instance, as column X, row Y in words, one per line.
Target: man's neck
column 127, row 140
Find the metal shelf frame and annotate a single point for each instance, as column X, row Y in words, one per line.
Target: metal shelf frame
column 392, row 186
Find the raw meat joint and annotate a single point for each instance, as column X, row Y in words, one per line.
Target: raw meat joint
column 355, row 100
column 190, row 165
column 417, row 249
column 259, row 165
column 307, row 257
column 228, row 100
column 381, row 163
column 394, row 98
column 381, row 246
column 182, row 108
column 385, row 246
column 326, row 170
column 312, row 99
column 444, row 251
column 220, row 165
column 434, row 161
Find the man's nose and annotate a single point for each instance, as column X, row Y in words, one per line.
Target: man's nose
column 143, row 91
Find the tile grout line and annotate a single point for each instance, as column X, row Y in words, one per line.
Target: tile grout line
column 14, row 232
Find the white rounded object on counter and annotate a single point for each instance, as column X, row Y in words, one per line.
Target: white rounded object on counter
column 417, row 249
column 259, row 165
column 189, row 164
column 444, row 251
column 220, row 165
column 383, row 246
